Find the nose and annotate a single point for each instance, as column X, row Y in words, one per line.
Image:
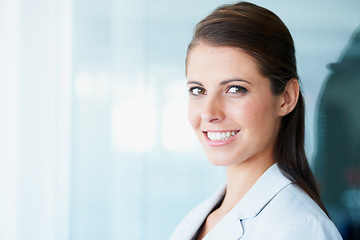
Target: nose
column 212, row 111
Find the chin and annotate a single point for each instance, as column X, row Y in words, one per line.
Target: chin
column 220, row 163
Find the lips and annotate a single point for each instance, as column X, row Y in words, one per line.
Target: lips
column 219, row 138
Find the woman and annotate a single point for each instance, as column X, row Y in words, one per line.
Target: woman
column 247, row 110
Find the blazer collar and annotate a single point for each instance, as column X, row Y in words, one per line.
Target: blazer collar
column 261, row 193
column 254, row 201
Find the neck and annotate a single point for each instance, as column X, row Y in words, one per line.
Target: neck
column 240, row 178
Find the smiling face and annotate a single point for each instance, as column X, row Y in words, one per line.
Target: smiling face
column 231, row 107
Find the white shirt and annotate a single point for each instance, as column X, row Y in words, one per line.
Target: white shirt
column 273, row 209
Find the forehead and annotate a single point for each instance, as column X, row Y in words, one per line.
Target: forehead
column 216, row 63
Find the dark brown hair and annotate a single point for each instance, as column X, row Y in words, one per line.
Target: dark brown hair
column 262, row 35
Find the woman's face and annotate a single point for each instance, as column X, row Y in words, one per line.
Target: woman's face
column 231, row 107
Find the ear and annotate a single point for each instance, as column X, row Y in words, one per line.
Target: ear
column 289, row 97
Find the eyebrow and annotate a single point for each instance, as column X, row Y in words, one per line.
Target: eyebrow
column 222, row 83
column 234, row 80
column 195, row 82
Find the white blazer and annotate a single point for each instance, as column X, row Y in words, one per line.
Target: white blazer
column 273, row 209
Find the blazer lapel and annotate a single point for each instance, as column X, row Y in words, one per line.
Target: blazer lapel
column 231, row 226
column 261, row 193
column 193, row 221
column 254, row 201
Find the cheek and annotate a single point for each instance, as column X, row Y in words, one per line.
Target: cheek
column 256, row 113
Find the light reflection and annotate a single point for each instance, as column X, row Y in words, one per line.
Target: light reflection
column 83, row 84
column 133, row 120
column 101, row 86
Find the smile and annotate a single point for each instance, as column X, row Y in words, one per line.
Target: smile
column 221, row 136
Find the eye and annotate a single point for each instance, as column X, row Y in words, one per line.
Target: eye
column 236, row 89
column 197, row 91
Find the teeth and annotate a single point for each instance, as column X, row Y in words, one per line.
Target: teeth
column 221, row 136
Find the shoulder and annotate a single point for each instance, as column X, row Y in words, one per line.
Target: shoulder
column 299, row 217
column 308, row 227
column 297, row 203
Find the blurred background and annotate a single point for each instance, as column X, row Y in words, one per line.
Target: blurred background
column 94, row 139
